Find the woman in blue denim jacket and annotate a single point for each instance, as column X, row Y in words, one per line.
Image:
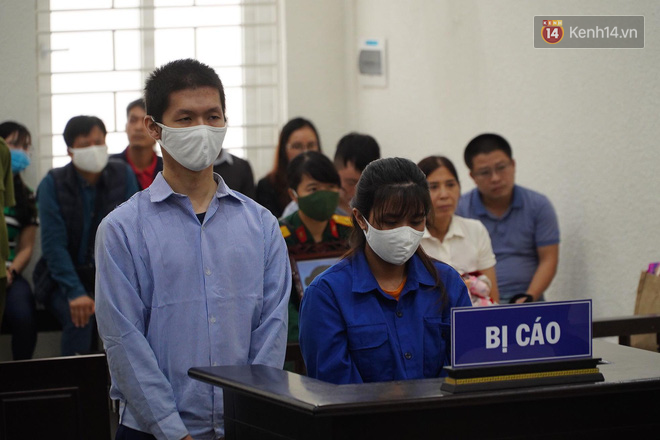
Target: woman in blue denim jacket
column 383, row 312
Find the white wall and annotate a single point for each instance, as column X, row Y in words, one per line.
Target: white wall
column 582, row 123
column 18, row 76
column 316, row 73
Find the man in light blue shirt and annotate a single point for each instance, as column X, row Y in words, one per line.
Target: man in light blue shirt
column 190, row 273
column 522, row 223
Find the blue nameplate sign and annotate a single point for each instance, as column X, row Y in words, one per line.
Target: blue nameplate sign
column 535, row 332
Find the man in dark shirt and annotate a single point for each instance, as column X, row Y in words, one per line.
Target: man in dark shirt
column 236, row 172
column 72, row 201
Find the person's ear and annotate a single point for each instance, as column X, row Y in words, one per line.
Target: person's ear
column 359, row 219
column 152, row 128
column 293, row 195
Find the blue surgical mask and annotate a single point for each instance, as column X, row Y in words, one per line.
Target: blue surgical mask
column 19, row 161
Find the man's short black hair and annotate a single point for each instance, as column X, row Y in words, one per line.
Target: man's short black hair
column 360, row 149
column 81, row 125
column 484, row 144
column 178, row 75
column 137, row 103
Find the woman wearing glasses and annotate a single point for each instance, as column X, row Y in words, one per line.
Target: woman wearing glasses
column 383, row 312
column 297, row 136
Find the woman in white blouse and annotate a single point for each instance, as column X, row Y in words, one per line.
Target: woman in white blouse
column 462, row 243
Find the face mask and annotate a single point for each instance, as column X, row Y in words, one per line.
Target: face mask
column 319, row 205
column 19, row 161
column 91, row 159
column 195, row 148
column 395, row 246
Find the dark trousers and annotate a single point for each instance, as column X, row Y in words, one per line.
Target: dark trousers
column 126, row 433
column 75, row 340
column 20, row 319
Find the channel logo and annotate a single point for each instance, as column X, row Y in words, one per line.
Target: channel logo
column 552, row 31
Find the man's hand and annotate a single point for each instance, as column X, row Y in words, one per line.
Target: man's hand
column 81, row 310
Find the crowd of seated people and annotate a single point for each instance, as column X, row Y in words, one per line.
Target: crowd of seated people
column 310, row 195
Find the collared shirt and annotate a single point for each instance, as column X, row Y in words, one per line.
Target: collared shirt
column 466, row 246
column 144, row 176
column 353, row 332
column 174, row 294
column 54, row 237
column 529, row 223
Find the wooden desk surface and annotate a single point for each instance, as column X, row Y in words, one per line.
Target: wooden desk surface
column 625, row 367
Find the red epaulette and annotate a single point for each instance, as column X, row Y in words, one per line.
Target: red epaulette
column 333, row 228
column 301, row 234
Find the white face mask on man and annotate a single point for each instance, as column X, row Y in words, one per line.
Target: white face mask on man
column 195, row 148
column 395, row 246
column 91, row 159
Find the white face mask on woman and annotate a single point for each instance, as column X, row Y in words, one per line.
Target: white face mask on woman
column 195, row 148
column 91, row 159
column 395, row 246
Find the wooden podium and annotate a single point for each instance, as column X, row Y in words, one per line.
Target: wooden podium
column 266, row 403
column 56, row 398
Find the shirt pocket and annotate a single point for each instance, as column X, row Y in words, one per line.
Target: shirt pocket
column 370, row 351
column 437, row 345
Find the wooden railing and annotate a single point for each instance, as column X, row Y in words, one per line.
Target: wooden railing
column 626, row 326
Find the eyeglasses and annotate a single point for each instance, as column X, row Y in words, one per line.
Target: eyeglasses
column 488, row 172
column 299, row 146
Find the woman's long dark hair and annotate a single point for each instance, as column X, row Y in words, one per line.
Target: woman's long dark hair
column 393, row 186
column 277, row 175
